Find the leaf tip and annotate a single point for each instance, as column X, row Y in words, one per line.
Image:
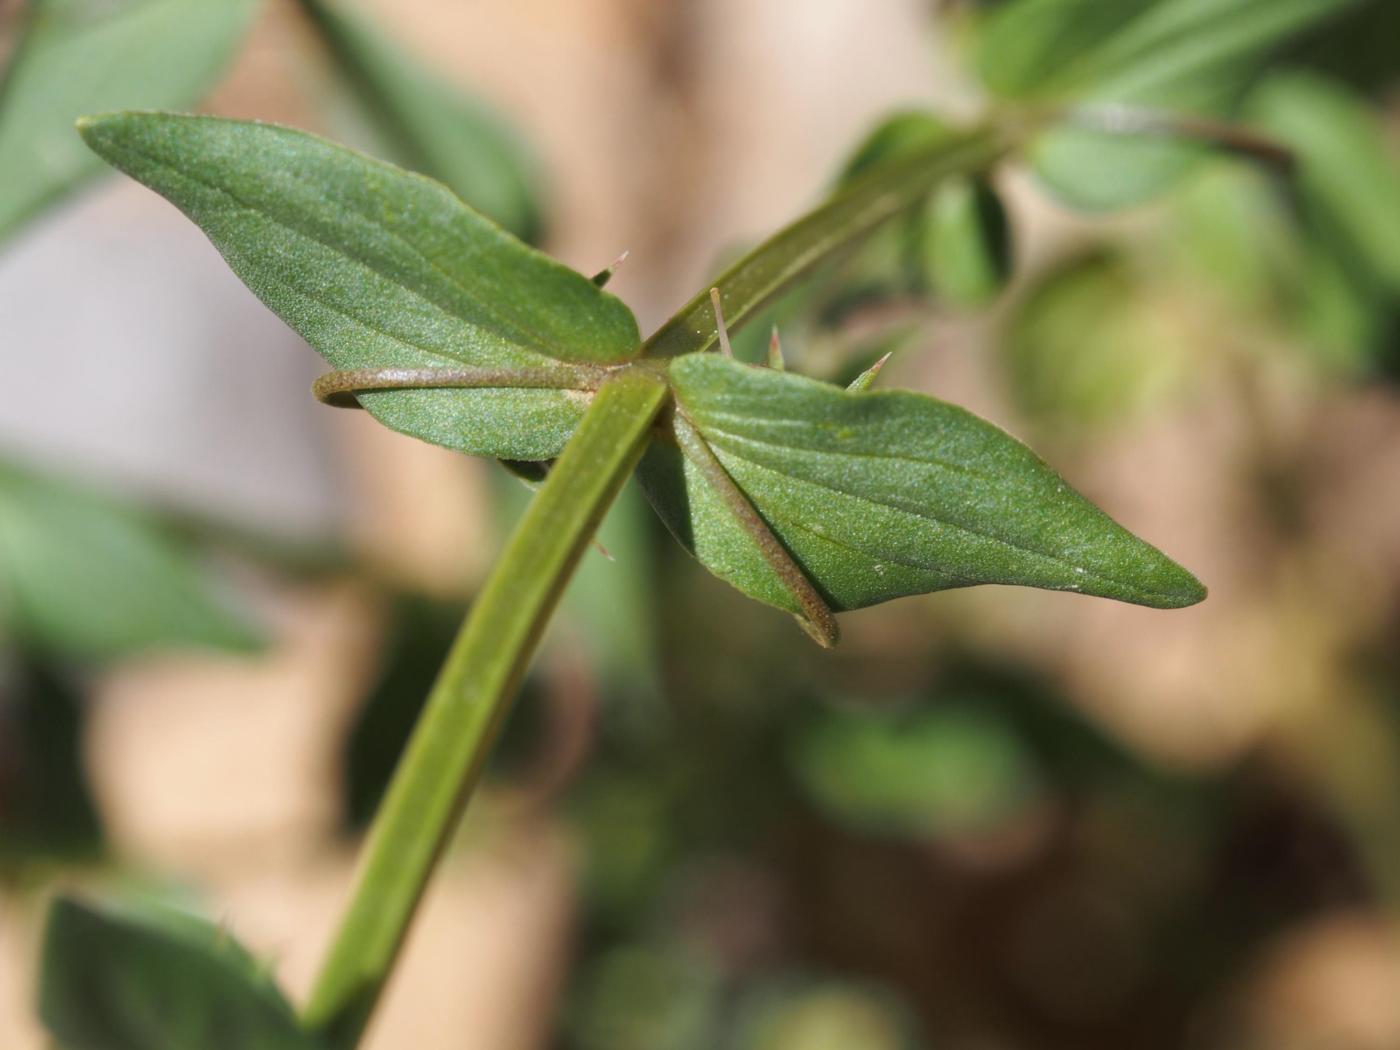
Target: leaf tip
column 775, row 352
column 1169, row 586
column 1186, row 592
column 98, row 129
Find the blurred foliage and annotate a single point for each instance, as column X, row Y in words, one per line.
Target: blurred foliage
column 423, row 123
column 925, row 774
column 89, row 577
column 956, row 245
column 1178, row 56
column 788, row 850
column 46, row 807
column 80, row 56
column 419, row 634
column 144, row 977
column 1089, row 345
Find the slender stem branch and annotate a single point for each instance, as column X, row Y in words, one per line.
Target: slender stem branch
column 1115, row 119
column 823, row 234
column 340, row 388
column 466, row 707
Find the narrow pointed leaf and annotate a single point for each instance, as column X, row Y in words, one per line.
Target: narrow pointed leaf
column 127, row 978
column 86, row 577
column 79, row 55
column 378, row 268
column 1172, row 55
column 884, row 494
column 432, row 127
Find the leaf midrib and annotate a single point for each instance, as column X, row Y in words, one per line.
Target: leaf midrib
column 1083, row 571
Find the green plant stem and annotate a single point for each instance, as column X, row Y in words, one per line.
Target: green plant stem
column 465, row 710
column 826, row 232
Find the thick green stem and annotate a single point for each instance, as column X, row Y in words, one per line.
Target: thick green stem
column 466, row 707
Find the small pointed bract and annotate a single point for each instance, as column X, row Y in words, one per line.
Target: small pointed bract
column 724, row 347
column 862, row 382
column 602, row 277
column 775, row 352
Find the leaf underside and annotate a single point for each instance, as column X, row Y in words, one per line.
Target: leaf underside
column 379, row 268
column 883, row 494
column 802, row 495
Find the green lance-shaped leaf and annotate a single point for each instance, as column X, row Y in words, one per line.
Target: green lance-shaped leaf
column 76, row 56
column 1176, row 56
column 429, row 125
column 379, row 268
column 84, row 576
column 148, row 978
column 877, row 495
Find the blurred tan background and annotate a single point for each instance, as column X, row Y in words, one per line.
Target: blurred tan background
column 673, row 131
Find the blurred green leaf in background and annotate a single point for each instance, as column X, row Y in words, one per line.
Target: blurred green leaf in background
column 88, row 577
column 1160, row 56
column 80, row 56
column 429, row 125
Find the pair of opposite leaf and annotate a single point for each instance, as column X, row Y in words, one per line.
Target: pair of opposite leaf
column 805, row 496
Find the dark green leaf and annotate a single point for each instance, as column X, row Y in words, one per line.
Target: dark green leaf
column 882, row 494
column 46, row 806
column 1358, row 48
column 432, row 127
column 156, row 979
column 84, row 576
column 79, row 55
column 1348, row 175
column 379, row 268
column 1171, row 55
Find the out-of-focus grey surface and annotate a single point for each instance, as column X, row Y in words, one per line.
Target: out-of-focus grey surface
column 131, row 354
